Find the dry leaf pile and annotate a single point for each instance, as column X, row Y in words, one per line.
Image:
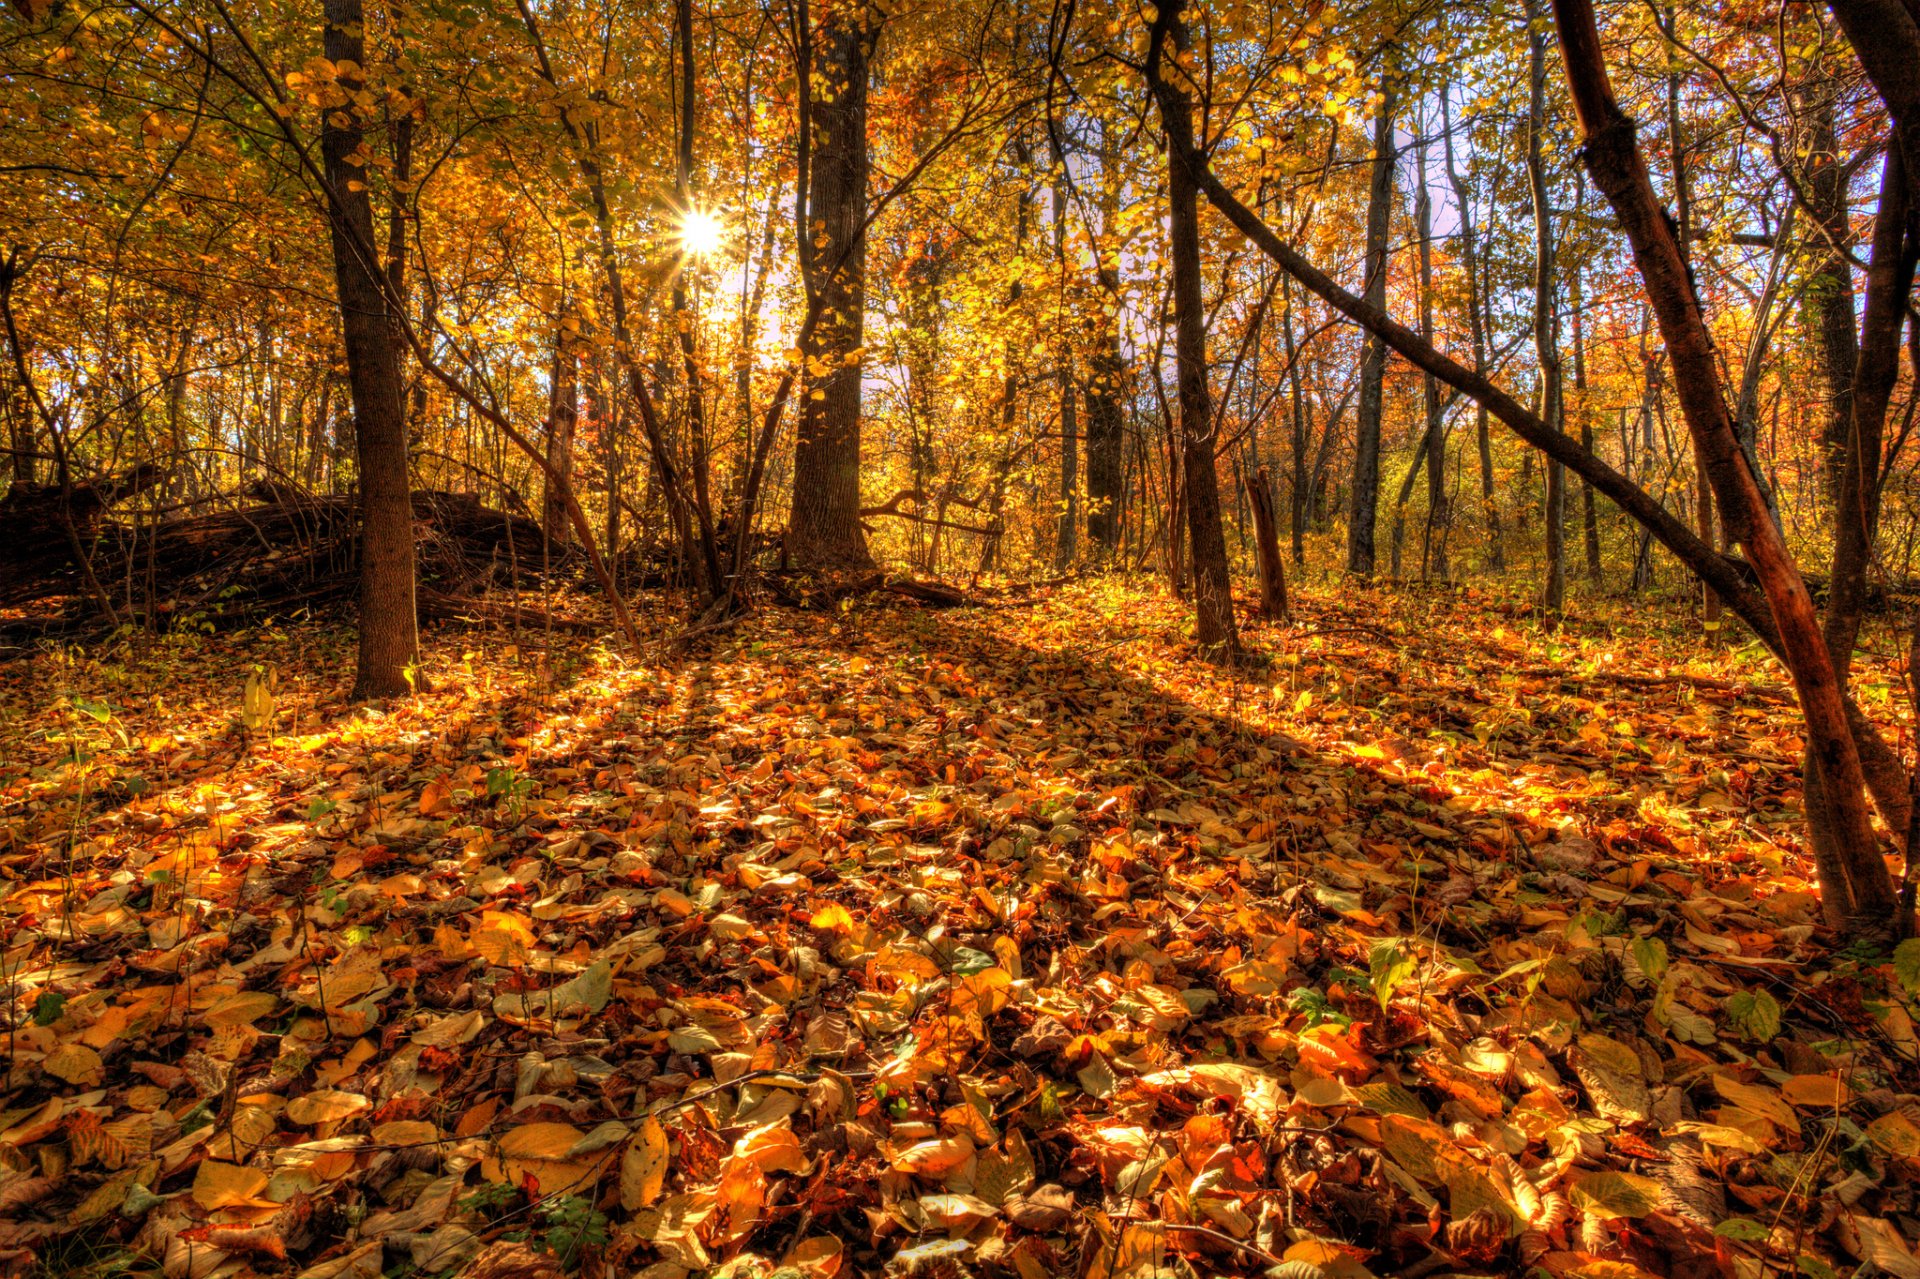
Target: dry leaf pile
column 1004, row 942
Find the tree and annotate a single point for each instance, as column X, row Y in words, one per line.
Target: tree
column 389, row 625
column 1365, row 497
column 1212, row 587
column 823, row 529
column 1546, row 315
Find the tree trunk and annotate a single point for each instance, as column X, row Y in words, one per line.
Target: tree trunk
column 1876, row 371
column 1476, row 324
column 1365, row 497
column 1106, row 420
column 1433, row 546
column 389, row 629
column 1857, row 892
column 823, row 529
column 1212, row 589
column 1829, row 291
column 1583, row 411
column 1300, row 487
column 1266, row 547
column 1066, row 541
column 563, row 416
column 1546, row 328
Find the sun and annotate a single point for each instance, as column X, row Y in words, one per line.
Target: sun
column 701, row 233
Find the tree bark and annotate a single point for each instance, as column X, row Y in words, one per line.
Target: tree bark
column 389, row 628
column 1433, row 550
column 563, row 416
column 1829, row 292
column 1546, row 327
column 1365, row 496
column 823, row 529
column 1212, row 589
column 1876, row 371
column 1066, row 540
column 1266, row 547
column 1477, row 327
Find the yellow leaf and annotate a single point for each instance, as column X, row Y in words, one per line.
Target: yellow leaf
column 1617, row 1194
column 833, row 919
column 222, row 1185
column 1817, row 1092
column 75, row 1063
column 643, row 1168
column 325, row 1106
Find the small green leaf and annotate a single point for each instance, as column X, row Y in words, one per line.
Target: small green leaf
column 1389, row 965
column 47, row 1008
column 1906, row 964
column 1651, row 954
column 1742, row 1230
column 1755, row 1014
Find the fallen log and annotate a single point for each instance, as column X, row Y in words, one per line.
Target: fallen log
column 272, row 549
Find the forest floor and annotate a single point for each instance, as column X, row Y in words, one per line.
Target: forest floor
column 1007, row 940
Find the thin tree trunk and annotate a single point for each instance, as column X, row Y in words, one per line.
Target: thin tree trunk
column 1546, row 337
column 1433, row 547
column 1212, row 589
column 389, row 627
column 563, row 416
column 1476, row 324
column 1365, row 497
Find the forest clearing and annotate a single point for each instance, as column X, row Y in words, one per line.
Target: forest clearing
column 804, row 639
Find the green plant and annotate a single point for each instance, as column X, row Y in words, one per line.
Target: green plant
column 569, row 1225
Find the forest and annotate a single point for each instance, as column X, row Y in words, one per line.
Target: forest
column 802, row 639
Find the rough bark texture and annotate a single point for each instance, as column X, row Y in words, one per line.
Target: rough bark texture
column 563, row 415
column 1266, row 546
column 1476, row 324
column 1433, row 554
column 1870, row 390
column 1365, row 496
column 823, row 530
column 1212, row 589
column 1829, row 292
column 389, row 633
column 1066, row 541
column 1106, row 374
column 1546, row 326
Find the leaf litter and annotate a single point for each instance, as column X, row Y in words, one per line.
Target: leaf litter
column 995, row 942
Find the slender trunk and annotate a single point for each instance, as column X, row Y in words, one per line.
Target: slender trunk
column 389, row 634
column 1433, row 548
column 1212, row 589
column 1300, row 485
column 1106, row 375
column 563, row 416
column 1477, row 326
column 1066, row 540
column 1546, row 335
column 1583, row 412
column 1876, row 371
column 1829, row 290
column 685, row 317
column 1683, row 239
column 1365, row 497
